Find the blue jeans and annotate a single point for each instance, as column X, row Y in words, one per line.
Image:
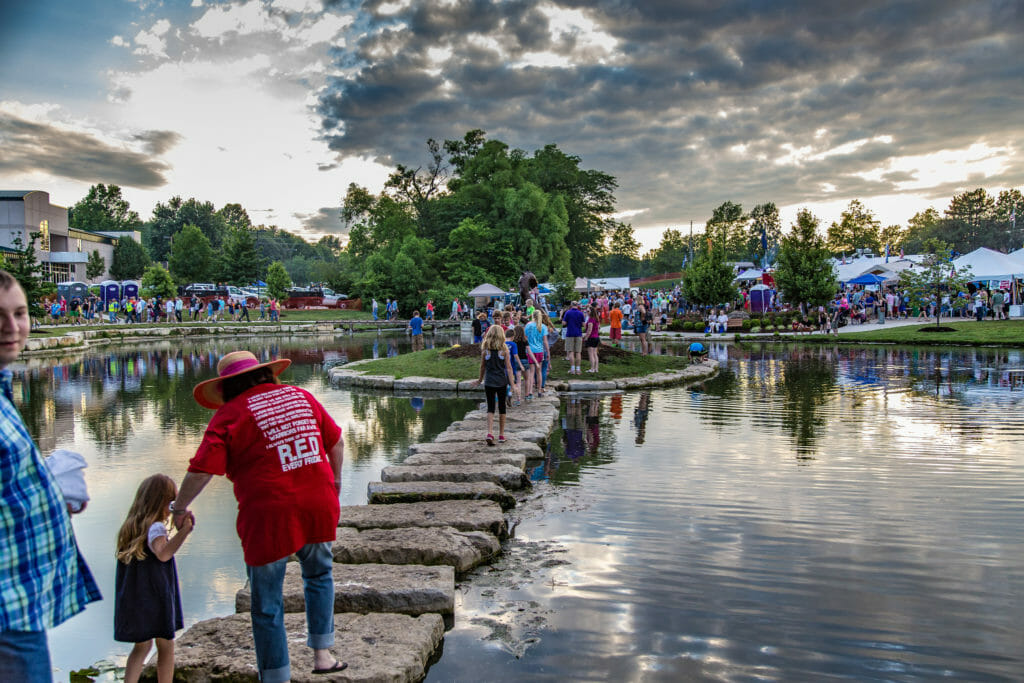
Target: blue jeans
column 266, row 583
column 25, row 656
column 544, row 371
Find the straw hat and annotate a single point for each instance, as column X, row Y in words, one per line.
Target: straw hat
column 208, row 394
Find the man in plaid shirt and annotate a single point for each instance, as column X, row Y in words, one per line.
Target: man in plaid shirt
column 43, row 578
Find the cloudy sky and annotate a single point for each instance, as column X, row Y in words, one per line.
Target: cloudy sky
column 280, row 104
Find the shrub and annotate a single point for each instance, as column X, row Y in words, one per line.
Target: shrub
column 745, row 325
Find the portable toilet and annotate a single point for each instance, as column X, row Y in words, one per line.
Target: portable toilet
column 760, row 298
column 130, row 289
column 77, row 290
column 64, row 290
column 110, row 290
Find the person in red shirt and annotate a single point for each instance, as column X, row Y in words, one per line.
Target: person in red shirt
column 615, row 317
column 283, row 453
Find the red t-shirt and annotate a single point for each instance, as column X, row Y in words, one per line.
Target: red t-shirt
column 272, row 442
column 616, row 318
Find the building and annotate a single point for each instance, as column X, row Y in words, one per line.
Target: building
column 62, row 251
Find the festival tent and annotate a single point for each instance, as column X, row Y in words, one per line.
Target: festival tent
column 601, row 284
column 750, row 274
column 487, row 290
column 867, row 279
column 989, row 265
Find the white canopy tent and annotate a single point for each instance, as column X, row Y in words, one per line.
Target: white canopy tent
column 601, row 284
column 989, row 265
column 487, row 290
column 750, row 274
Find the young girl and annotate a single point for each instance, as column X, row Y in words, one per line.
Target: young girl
column 495, row 375
column 147, row 604
column 592, row 335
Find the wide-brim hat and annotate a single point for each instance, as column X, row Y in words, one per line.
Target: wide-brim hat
column 208, row 393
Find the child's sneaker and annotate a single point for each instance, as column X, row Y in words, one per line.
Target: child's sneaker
column 490, row 439
column 501, row 439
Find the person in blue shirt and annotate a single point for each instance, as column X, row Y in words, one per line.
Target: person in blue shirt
column 44, row 580
column 416, row 327
column 573, row 319
column 698, row 351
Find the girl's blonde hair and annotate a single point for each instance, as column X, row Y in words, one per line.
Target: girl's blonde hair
column 494, row 339
column 546, row 319
column 537, row 319
column 152, row 504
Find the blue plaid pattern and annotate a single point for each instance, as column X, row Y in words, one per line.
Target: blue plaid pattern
column 43, row 578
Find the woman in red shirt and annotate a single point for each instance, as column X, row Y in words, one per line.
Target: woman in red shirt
column 283, row 453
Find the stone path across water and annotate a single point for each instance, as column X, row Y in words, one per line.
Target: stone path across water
column 437, row 514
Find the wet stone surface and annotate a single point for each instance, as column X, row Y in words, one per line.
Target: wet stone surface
column 421, row 492
column 507, row 476
column 461, row 550
column 464, row 515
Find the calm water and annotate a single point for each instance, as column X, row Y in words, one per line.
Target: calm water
column 810, row 512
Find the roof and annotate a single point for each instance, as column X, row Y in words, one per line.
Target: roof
column 486, row 289
column 986, row 264
column 15, row 194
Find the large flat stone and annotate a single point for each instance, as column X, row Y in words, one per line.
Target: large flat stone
column 400, row 589
column 422, row 492
column 464, row 515
column 457, row 449
column 591, row 385
column 431, row 546
column 491, row 456
column 379, row 648
column 474, row 432
column 427, row 384
column 507, row 476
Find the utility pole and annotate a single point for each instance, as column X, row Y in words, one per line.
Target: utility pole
column 691, row 241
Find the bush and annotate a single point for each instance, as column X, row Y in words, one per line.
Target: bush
column 688, row 325
column 677, row 325
column 745, row 325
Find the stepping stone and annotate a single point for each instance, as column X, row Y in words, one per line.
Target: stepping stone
column 479, row 457
column 503, row 475
column 422, row 492
column 431, row 546
column 460, row 448
column 516, row 415
column 477, row 432
column 427, row 383
column 464, row 515
column 592, row 385
column 377, row 647
column 363, row 588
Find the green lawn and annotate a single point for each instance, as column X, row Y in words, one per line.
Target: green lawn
column 431, row 363
column 989, row 332
column 659, row 284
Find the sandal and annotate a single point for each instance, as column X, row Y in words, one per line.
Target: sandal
column 490, row 439
column 334, row 668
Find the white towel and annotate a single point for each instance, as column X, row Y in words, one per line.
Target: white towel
column 68, row 468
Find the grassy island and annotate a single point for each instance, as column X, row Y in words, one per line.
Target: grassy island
column 463, row 362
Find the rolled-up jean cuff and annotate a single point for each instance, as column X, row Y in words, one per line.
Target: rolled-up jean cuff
column 320, row 641
column 276, row 675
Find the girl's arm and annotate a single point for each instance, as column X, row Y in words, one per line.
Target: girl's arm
column 480, row 380
column 164, row 549
column 508, row 368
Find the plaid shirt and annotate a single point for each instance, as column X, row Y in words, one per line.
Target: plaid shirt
column 43, row 578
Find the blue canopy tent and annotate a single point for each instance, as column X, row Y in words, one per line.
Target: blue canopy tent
column 867, row 279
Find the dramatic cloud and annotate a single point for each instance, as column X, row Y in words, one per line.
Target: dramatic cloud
column 693, row 103
column 327, row 220
column 32, row 147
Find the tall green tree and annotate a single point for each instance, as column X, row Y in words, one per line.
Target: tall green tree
column 708, row 279
column 803, row 269
column 129, row 261
column 857, row 229
column 28, row 272
column 278, row 281
column 156, row 281
column 168, row 219
column 727, row 229
column 764, row 232
column 103, row 209
column 235, row 217
column 191, row 259
column 669, row 255
column 935, row 276
column 240, row 263
column 95, row 266
column 1009, row 214
column 623, row 251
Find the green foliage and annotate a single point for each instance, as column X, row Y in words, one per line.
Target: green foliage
column 278, row 281
column 668, row 257
column 803, row 272
column 192, row 258
column 728, row 230
column 764, row 221
column 169, row 219
column 130, row 260
column 240, row 262
column 27, row 271
column 708, row 279
column 156, row 281
column 935, row 276
column 856, row 229
column 95, row 266
column 103, row 209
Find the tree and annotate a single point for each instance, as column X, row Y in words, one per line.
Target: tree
column 95, row 266
column 191, row 258
column 727, row 228
column 670, row 253
column 28, row 272
column 156, row 281
column 924, row 225
column 708, row 279
column 130, row 260
column 857, row 229
column 168, row 219
column 234, row 216
column 103, row 209
column 1010, row 216
column 803, row 270
column 240, row 262
column 935, row 276
column 623, row 251
column 278, row 281
column 892, row 236
column 765, row 231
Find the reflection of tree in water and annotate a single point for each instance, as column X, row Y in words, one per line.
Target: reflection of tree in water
column 808, row 384
column 390, row 422
column 640, row 415
column 724, row 393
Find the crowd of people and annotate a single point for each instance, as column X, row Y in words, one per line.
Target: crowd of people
column 132, row 310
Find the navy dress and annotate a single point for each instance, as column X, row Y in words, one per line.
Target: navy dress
column 147, row 603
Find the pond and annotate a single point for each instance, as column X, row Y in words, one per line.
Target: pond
column 812, row 511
